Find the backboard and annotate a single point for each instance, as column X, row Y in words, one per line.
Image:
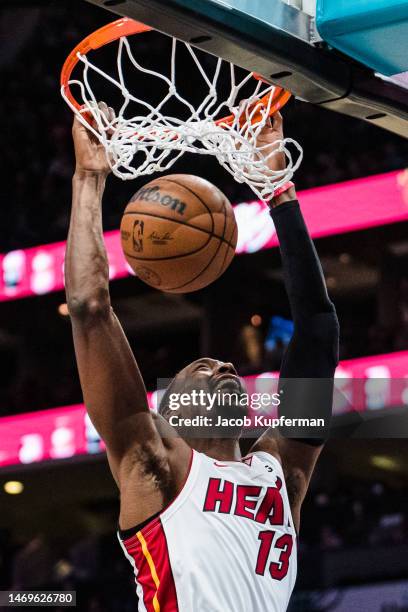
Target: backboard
column 279, row 40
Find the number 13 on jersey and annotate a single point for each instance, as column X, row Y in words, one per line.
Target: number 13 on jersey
column 284, row 544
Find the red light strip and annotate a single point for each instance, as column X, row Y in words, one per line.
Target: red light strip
column 368, row 383
column 334, row 209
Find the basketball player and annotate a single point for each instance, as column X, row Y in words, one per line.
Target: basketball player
column 204, row 529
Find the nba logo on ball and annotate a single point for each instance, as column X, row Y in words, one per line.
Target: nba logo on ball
column 138, row 227
column 178, row 253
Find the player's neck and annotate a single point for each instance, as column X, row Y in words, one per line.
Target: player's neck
column 221, row 449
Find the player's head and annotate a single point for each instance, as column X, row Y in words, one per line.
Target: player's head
column 209, row 388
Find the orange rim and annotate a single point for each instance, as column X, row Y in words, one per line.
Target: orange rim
column 105, row 35
column 279, row 98
column 127, row 27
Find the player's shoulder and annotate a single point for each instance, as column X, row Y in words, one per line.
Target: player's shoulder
column 261, row 457
column 260, row 463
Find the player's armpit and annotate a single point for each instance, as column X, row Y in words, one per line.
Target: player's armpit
column 152, row 476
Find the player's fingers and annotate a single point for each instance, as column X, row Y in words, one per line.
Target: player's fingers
column 244, row 113
column 277, row 121
column 241, row 107
column 78, row 129
column 111, row 114
column 103, row 107
column 111, row 119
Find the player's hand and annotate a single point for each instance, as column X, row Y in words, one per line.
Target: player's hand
column 268, row 137
column 90, row 155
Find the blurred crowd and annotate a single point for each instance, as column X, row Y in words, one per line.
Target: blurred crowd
column 363, row 516
column 100, row 586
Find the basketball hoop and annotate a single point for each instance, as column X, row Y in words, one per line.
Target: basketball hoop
column 161, row 138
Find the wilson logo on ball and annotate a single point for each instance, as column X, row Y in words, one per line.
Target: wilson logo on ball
column 153, row 194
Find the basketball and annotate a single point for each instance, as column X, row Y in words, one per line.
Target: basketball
column 179, row 233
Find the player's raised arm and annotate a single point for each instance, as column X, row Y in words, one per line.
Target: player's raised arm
column 112, row 386
column 308, row 366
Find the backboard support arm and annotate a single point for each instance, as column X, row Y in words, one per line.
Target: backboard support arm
column 279, row 49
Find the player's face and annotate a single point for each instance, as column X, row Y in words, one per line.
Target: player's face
column 215, row 378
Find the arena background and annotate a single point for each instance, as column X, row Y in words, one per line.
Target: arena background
column 59, row 531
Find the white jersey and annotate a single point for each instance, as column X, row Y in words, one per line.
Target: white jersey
column 227, row 543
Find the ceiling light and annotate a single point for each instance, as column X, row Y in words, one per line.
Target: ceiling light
column 13, row 487
column 63, row 310
column 256, row 320
column 384, row 463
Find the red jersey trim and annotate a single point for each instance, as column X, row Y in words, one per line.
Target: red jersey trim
column 149, row 550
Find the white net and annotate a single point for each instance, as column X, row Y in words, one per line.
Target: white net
column 152, row 140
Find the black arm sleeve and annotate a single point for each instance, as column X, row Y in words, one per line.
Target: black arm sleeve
column 309, row 363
